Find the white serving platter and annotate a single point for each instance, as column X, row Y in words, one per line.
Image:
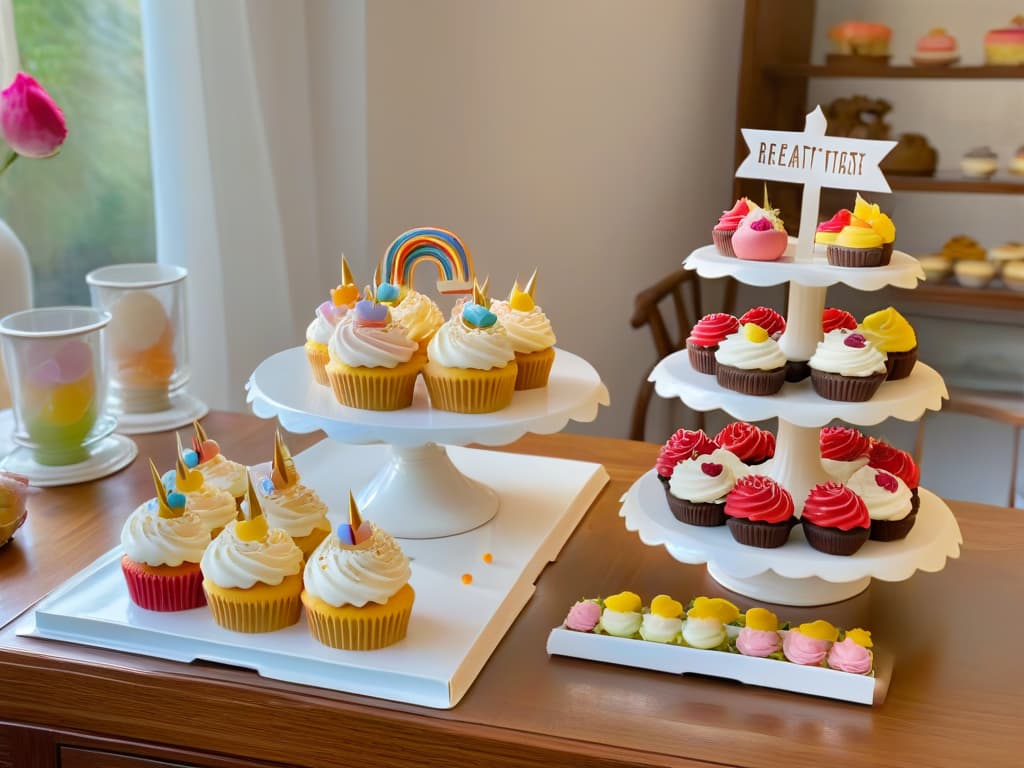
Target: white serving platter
column 454, row 627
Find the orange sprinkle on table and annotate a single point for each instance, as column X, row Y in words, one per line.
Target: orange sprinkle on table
column 467, row 578
column 488, row 558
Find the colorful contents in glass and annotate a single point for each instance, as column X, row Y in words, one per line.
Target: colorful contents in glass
column 59, row 396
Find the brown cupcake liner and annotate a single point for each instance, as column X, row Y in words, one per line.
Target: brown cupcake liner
column 534, row 368
column 797, row 370
column 385, row 390
column 915, row 501
column 893, row 530
column 886, row 254
column 255, row 616
column 757, row 533
column 702, row 359
column 750, row 382
column 318, row 365
column 838, row 256
column 486, row 393
column 899, row 365
column 833, row 541
column 846, row 389
column 359, row 633
column 722, row 239
column 706, row 514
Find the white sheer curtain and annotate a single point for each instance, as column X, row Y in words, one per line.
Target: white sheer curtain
column 234, row 181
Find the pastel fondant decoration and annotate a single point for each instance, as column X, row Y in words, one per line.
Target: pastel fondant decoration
column 478, row 317
column 204, row 447
column 356, row 532
column 347, row 293
column 714, row 608
column 624, row 602
column 666, row 607
column 860, row 636
column 762, row 620
column 168, row 507
column 283, row 473
column 186, row 480
column 372, row 314
column 428, row 245
column 819, row 630
column 522, row 300
column 254, row 527
column 388, row 293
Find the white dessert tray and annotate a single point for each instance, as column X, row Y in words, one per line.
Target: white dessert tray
column 454, row 627
column 795, row 573
column 769, row 673
column 903, row 270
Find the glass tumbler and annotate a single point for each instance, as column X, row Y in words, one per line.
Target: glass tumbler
column 55, row 366
column 147, row 351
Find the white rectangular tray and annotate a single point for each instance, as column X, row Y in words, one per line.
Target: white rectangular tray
column 768, row 673
column 454, row 627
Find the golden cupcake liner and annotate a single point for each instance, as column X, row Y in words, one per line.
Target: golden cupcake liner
column 375, row 389
column 534, row 368
column 318, row 359
column 467, row 390
column 262, row 608
column 360, row 629
column 308, row 543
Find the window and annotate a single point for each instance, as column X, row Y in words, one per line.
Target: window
column 92, row 204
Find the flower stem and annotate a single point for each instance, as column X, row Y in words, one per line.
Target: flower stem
column 9, row 161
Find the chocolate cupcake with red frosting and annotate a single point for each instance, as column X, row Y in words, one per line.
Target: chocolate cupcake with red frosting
column 684, row 444
column 835, row 519
column 844, row 450
column 833, row 319
column 704, row 338
column 767, row 318
column 726, row 227
column 759, row 512
column 900, row 463
column 748, row 443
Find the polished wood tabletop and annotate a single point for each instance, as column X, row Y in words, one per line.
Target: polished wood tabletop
column 956, row 696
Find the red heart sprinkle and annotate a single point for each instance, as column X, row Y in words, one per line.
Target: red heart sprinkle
column 886, row 481
column 711, row 469
column 855, row 340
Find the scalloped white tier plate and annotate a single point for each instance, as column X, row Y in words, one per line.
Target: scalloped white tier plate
column 185, row 409
column 798, row 403
column 934, row 538
column 283, row 386
column 903, row 271
column 454, row 627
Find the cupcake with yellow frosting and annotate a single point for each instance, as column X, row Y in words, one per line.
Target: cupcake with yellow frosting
column 163, row 544
column 215, row 506
column 530, row 332
column 706, row 620
column 853, row 653
column 287, row 503
column 856, row 246
column 252, row 574
column 890, row 332
column 217, row 470
column 373, row 364
column 413, row 312
column 663, row 623
column 356, row 587
column 760, row 636
column 621, row 616
column 328, row 315
column 471, row 364
column 808, row 644
column 879, row 223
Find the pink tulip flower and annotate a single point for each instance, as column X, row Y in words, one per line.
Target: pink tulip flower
column 31, row 122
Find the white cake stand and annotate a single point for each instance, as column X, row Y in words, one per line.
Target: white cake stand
column 420, row 494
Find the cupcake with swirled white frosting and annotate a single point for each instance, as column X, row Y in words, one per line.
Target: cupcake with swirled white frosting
column 889, row 502
column 750, row 362
column 252, row 574
column 328, row 315
column 163, row 545
column 357, row 592
column 698, row 487
column 530, row 332
column 471, row 365
column 373, row 364
column 417, row 315
column 847, row 367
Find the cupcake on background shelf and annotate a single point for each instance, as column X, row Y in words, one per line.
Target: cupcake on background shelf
column 750, row 362
column 356, row 587
column 1013, row 275
column 891, row 334
column 761, row 235
column 760, row 635
column 706, row 620
column 252, row 573
column 702, row 343
column 471, row 365
column 723, row 231
column 530, row 332
column 963, row 248
column 979, row 163
column 217, row 470
column 853, row 653
column 859, row 40
column 163, row 545
column 373, row 364
column 759, row 512
column 621, row 616
column 846, row 367
column 699, row 486
column 328, row 315
column 974, row 274
column 888, row 500
column 663, row 623
column 938, row 48
column 835, row 519
column 748, row 443
column 809, row 643
column 1005, row 47
column 1016, row 165
column 844, row 450
column 287, row 503
column 215, row 506
column 682, row 445
column 936, row 266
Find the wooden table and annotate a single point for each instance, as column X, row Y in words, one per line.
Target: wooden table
column 956, row 697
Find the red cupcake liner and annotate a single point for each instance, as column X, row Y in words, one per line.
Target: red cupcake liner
column 155, row 592
column 846, row 389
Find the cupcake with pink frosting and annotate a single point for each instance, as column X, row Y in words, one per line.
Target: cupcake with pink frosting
column 760, row 637
column 726, row 226
column 583, row 616
column 809, row 643
column 760, row 236
column 852, row 654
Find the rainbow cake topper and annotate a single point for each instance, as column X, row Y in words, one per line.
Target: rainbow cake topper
column 521, row 299
column 433, row 245
column 171, row 505
column 254, row 527
column 283, row 473
column 356, row 533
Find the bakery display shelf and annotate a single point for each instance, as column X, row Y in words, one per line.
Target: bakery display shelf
column 420, row 493
column 949, row 292
column 902, row 272
column 767, row 673
column 454, row 627
column 954, row 181
column 794, row 574
column 904, row 71
column 798, row 403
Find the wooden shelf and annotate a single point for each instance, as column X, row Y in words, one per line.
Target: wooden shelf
column 954, row 181
column 858, row 69
column 951, row 293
